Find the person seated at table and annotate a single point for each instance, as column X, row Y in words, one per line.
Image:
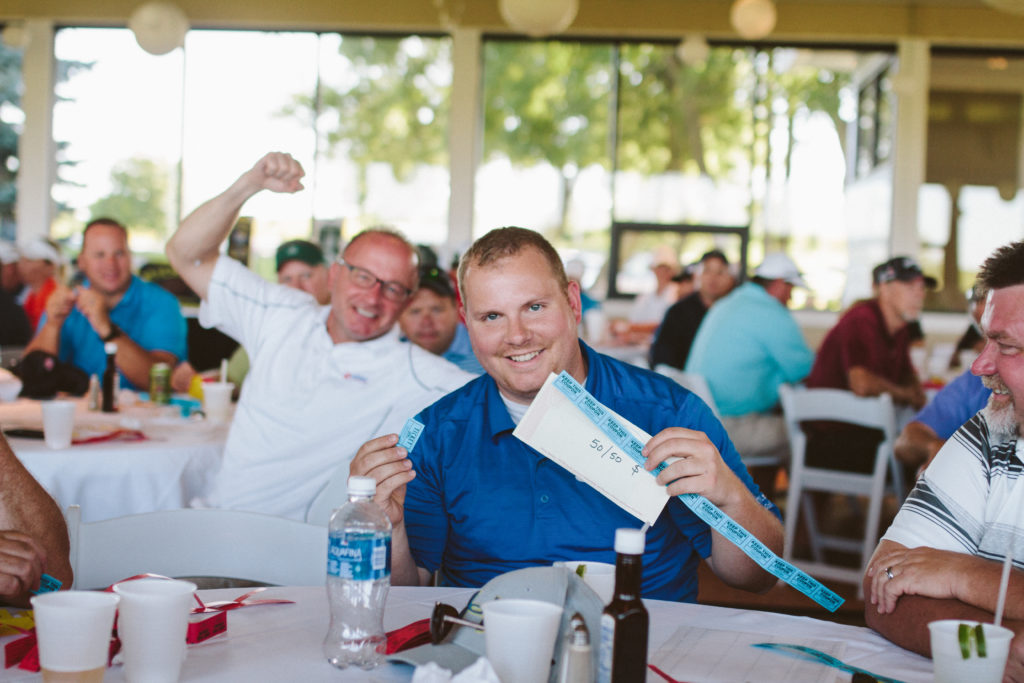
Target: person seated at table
column 38, row 266
column 431, row 320
column 112, row 305
column 747, row 346
column 474, row 501
column 951, row 407
column 10, row 279
column 323, row 379
column 868, row 353
column 33, row 535
column 674, row 338
column 942, row 556
column 300, row 265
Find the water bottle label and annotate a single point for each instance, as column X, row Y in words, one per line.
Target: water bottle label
column 360, row 557
column 607, row 649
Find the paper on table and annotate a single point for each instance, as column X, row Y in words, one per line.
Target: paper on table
column 704, row 655
column 559, row 430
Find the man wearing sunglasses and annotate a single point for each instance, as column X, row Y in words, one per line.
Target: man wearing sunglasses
column 323, row 380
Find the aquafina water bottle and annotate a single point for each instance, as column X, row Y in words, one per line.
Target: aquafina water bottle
column 358, row 578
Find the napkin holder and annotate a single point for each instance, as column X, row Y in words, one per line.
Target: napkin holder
column 557, row 585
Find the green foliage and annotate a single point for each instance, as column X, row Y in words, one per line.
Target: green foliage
column 392, row 107
column 139, row 198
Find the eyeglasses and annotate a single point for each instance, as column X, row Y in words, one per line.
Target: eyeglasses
column 364, row 279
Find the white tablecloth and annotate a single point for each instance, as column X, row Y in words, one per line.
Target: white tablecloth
column 171, row 467
column 283, row 642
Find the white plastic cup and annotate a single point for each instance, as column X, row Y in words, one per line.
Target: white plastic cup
column 73, row 633
column 598, row 575
column 951, row 667
column 58, row 423
column 519, row 637
column 217, row 400
column 152, row 623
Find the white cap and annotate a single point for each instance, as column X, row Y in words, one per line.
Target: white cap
column 110, row 348
column 8, row 253
column 362, row 486
column 629, row 541
column 40, row 249
column 778, row 266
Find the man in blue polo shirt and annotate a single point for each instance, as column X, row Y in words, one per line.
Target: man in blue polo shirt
column 112, row 306
column 474, row 502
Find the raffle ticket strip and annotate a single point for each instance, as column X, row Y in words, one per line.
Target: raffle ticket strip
column 701, row 506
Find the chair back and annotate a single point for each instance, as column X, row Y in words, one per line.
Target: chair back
column 197, row 542
column 693, row 381
column 836, row 405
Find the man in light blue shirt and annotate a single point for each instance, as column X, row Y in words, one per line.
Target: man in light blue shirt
column 748, row 344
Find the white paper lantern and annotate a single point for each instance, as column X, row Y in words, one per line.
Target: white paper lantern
column 159, row 27
column 538, row 17
column 15, row 35
column 753, row 19
column 694, row 49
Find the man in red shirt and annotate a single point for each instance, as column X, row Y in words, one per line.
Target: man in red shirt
column 40, row 261
column 868, row 353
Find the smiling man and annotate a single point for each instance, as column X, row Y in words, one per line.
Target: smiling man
column 323, row 379
column 942, row 556
column 474, row 501
column 113, row 305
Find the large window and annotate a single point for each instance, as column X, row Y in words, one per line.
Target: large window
column 147, row 139
column 579, row 136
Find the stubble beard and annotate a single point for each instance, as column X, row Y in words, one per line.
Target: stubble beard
column 1001, row 419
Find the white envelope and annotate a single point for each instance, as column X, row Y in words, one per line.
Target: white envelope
column 555, row 427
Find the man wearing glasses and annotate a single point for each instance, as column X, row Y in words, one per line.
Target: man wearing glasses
column 323, row 380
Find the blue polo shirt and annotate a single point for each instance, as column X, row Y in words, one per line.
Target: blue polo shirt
column 484, row 503
column 147, row 313
column 955, row 404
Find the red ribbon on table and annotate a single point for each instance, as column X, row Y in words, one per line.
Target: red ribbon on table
column 116, row 435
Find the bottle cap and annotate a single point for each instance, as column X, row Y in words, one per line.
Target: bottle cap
column 362, row 486
column 110, row 348
column 629, row 541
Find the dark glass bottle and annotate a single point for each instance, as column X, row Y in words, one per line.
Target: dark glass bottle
column 110, row 379
column 624, row 623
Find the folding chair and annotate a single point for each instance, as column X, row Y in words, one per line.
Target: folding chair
column 690, row 380
column 197, row 543
column 835, row 405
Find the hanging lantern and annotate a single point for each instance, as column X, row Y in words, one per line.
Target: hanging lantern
column 753, row 19
column 159, row 27
column 538, row 17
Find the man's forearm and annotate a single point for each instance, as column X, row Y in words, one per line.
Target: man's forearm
column 917, row 444
column 25, row 506
column 47, row 339
column 404, row 571
column 907, row 625
column 194, row 247
column 863, row 382
column 135, row 362
column 731, row 564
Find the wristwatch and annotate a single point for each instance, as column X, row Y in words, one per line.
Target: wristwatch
column 114, row 333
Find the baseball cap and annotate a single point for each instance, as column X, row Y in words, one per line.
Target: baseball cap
column 41, row 249
column 299, row 250
column 902, row 268
column 8, row 253
column 437, row 281
column 778, row 266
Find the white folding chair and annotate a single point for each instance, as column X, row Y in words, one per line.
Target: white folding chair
column 333, row 495
column 835, row 405
column 197, row 542
column 690, row 380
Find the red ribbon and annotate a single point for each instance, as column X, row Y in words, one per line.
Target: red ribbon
column 116, row 435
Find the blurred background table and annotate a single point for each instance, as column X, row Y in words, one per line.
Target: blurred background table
column 174, row 464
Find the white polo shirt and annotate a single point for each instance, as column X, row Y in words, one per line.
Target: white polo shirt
column 969, row 498
column 307, row 404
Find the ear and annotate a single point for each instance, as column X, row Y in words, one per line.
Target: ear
column 573, row 294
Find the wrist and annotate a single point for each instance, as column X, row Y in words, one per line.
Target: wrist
column 113, row 333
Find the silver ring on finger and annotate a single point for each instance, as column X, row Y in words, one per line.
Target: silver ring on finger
column 888, row 573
